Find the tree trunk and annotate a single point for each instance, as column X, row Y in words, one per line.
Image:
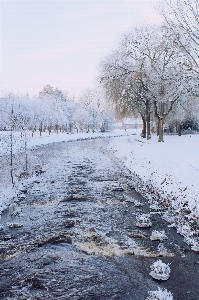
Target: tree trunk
column 143, row 134
column 158, row 127
column 11, row 155
column 26, row 156
column 148, row 130
column 57, row 128
column 70, row 127
column 148, row 121
column 40, row 129
column 179, row 129
column 12, row 177
column 161, row 122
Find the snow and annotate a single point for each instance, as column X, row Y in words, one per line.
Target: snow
column 161, row 294
column 160, row 270
column 167, row 175
column 158, row 235
column 143, row 220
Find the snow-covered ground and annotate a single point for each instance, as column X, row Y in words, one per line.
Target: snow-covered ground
column 167, row 174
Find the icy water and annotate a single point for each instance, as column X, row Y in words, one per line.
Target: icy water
column 77, row 236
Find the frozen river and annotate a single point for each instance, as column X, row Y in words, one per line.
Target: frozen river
column 76, row 235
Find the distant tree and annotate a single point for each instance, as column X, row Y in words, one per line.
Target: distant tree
column 59, row 95
column 48, row 89
column 54, row 102
column 96, row 110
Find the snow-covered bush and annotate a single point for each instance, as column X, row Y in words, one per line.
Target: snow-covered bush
column 143, row 220
column 160, row 295
column 158, row 235
column 160, row 270
column 1, row 227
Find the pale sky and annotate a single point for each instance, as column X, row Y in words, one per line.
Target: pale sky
column 61, row 43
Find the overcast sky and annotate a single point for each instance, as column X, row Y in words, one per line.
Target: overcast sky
column 62, row 42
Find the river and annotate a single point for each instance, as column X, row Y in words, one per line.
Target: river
column 71, row 233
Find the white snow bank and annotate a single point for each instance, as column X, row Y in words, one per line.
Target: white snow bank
column 167, row 175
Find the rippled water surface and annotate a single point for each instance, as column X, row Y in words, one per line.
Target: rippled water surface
column 74, row 234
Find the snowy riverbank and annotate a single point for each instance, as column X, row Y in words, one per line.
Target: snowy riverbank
column 167, row 175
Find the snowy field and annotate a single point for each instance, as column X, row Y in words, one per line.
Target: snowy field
column 167, row 175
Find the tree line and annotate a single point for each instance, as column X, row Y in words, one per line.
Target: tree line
column 54, row 109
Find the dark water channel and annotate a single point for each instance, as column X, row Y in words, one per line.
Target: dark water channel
column 78, row 237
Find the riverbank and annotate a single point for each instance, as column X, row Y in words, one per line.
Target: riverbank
column 167, row 175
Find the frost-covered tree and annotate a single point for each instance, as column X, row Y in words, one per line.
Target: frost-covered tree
column 182, row 17
column 159, row 72
column 92, row 101
column 146, row 70
column 54, row 102
column 122, row 90
column 52, row 109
